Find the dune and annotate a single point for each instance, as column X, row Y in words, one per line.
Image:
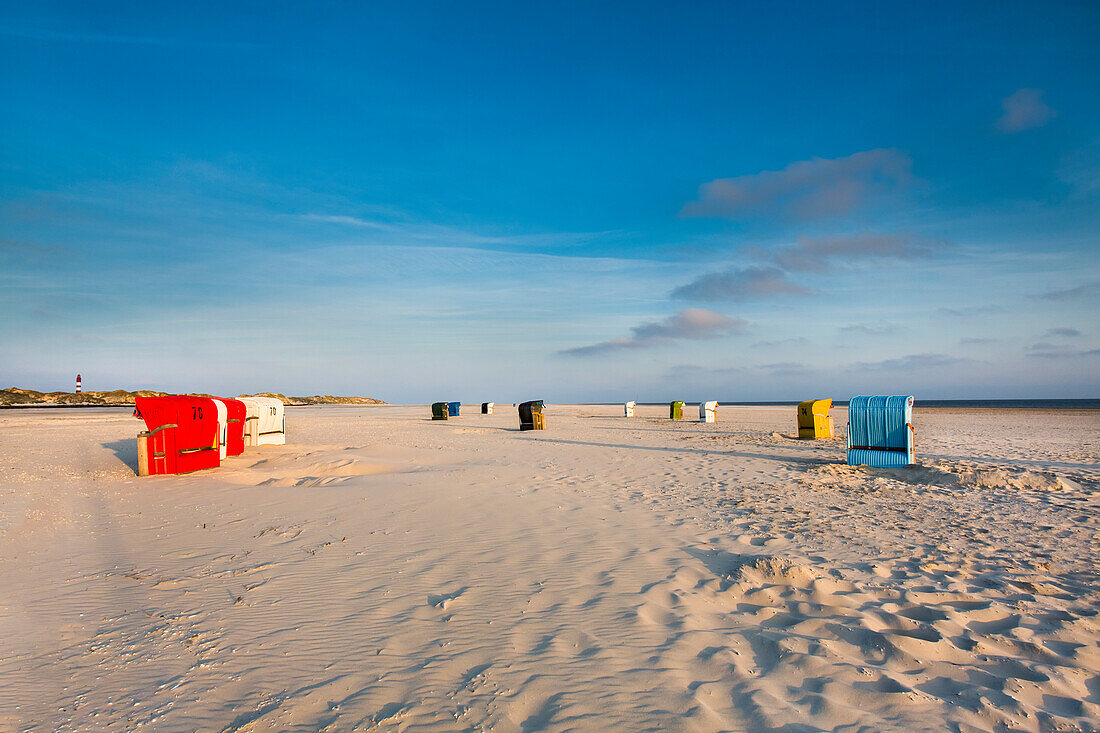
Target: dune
column 18, row 397
column 384, row 572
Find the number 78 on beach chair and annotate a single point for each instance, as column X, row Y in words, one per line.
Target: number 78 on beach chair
column 880, row 431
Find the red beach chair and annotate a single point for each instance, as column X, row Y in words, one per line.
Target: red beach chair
column 182, row 435
column 234, row 444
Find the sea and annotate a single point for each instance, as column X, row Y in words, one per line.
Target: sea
column 1090, row 404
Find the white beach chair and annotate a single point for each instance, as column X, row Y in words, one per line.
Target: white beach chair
column 265, row 421
column 223, row 427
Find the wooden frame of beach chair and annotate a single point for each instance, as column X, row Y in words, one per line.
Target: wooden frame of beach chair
column 157, row 451
column 251, row 430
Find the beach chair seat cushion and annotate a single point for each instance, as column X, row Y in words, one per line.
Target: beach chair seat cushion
column 878, row 458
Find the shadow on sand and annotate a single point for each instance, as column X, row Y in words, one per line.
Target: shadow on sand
column 125, row 451
column 703, row 451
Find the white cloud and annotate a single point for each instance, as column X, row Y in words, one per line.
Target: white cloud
column 972, row 310
column 796, row 341
column 870, row 329
column 1063, row 331
column 1046, row 350
column 1023, row 110
column 819, row 254
column 691, row 323
column 740, row 283
column 806, row 189
column 913, row 362
column 1088, row 290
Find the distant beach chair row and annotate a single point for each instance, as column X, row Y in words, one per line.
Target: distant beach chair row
column 530, row 413
column 880, row 428
column 186, row 433
column 708, row 411
column 445, row 410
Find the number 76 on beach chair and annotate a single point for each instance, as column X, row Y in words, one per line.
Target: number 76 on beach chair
column 880, row 431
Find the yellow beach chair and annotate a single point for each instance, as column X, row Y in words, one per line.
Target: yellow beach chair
column 814, row 420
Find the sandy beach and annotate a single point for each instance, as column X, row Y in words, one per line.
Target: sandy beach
column 385, row 572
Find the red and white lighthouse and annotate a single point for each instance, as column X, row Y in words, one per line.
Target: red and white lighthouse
column 78, row 384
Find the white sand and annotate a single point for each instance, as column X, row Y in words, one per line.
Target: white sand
column 386, row 572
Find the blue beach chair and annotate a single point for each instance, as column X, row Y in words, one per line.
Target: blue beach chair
column 880, row 431
column 452, row 408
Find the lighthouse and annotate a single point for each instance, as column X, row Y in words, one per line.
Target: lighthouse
column 78, row 384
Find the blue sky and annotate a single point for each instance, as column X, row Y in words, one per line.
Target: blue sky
column 573, row 202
